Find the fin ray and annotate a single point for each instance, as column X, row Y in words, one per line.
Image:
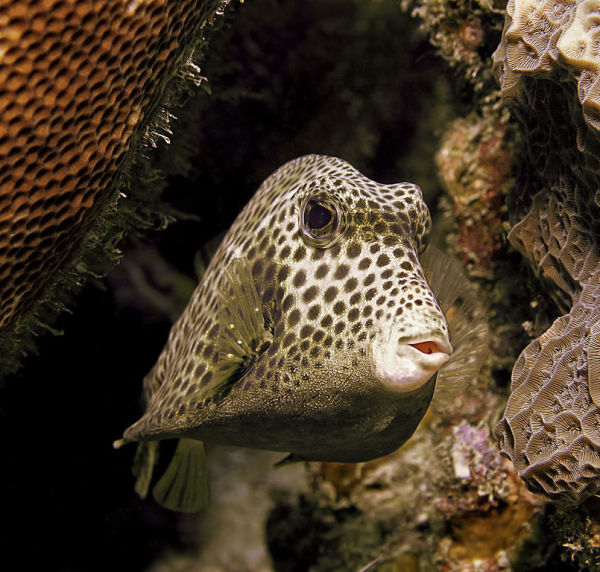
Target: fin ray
column 184, row 486
column 144, row 461
column 243, row 334
column 289, row 459
column 466, row 319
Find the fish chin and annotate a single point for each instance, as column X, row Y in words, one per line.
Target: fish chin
column 404, row 367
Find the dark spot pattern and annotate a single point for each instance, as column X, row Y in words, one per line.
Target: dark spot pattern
column 341, row 272
column 299, row 278
column 322, row 271
column 330, row 294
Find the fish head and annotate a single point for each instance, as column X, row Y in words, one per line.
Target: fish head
column 349, row 287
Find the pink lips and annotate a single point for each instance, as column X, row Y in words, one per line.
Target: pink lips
column 428, row 347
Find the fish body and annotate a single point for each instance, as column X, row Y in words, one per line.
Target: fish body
column 313, row 330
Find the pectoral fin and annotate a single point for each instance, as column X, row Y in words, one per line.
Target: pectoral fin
column 467, row 323
column 184, row 486
column 243, row 332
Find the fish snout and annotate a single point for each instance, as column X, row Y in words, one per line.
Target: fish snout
column 406, row 364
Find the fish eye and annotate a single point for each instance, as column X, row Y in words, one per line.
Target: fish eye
column 321, row 221
column 318, row 216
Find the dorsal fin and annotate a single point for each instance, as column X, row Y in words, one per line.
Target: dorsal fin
column 466, row 319
column 184, row 486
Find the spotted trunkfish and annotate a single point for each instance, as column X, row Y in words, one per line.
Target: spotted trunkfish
column 313, row 331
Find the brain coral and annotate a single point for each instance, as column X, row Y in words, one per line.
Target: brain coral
column 78, row 82
column 548, row 64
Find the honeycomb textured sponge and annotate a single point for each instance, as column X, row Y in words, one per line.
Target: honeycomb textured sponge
column 548, row 66
column 79, row 82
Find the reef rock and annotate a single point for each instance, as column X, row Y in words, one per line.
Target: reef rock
column 548, row 67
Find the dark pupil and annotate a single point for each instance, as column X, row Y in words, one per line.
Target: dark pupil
column 319, row 217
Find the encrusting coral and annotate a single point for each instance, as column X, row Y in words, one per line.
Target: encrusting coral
column 549, row 69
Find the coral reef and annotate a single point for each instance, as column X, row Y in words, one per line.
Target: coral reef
column 83, row 86
column 462, row 494
column 464, row 33
column 362, row 83
column 547, row 72
column 578, row 533
column 475, row 163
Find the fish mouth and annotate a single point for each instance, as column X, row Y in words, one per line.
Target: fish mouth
column 407, row 364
